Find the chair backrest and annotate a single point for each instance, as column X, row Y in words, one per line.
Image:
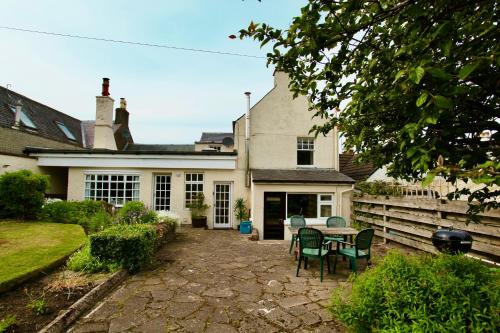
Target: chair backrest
column 364, row 239
column 310, row 238
column 297, row 221
column 335, row 222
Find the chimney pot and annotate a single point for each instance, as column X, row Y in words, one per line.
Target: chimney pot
column 123, row 103
column 105, row 86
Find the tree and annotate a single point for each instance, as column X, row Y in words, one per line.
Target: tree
column 417, row 82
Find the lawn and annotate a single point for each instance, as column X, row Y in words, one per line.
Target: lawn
column 29, row 246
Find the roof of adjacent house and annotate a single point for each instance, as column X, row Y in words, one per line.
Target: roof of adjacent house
column 43, row 117
column 300, row 176
column 358, row 172
column 157, row 148
column 214, row 137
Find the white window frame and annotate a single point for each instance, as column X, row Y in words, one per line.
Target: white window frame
column 319, row 203
column 25, row 119
column 169, row 192
column 193, row 182
column 330, row 203
column 305, row 144
column 88, row 180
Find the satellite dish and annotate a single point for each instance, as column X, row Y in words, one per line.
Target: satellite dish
column 228, row 141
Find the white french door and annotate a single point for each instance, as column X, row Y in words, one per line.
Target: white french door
column 223, row 205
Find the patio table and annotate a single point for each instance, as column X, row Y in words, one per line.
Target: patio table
column 345, row 231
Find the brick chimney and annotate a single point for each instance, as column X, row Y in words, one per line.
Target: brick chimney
column 121, row 113
column 104, row 137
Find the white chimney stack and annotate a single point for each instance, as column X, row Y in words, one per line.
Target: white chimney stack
column 104, row 137
column 19, row 109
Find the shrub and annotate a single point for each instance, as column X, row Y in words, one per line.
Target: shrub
column 100, row 221
column 135, row 212
column 378, row 187
column 131, row 246
column 169, row 218
column 60, row 212
column 22, row 194
column 82, row 261
column 8, row 322
column 90, row 214
column 149, row 217
column 422, row 293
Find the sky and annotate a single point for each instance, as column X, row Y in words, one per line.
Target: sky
column 172, row 95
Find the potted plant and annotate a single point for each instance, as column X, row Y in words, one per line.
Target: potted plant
column 241, row 212
column 198, row 211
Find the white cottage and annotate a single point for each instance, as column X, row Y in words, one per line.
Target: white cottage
column 269, row 159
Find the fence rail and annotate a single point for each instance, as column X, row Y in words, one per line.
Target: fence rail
column 411, row 222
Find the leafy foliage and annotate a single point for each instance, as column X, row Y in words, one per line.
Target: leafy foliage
column 417, row 81
column 90, row 214
column 240, row 209
column 377, row 187
column 7, row 322
column 131, row 246
column 421, row 293
column 134, row 212
column 38, row 306
column 82, row 261
column 198, row 206
column 22, row 193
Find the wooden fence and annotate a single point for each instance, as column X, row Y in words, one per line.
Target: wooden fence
column 411, row 222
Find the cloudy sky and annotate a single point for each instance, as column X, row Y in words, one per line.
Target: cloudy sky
column 172, row 95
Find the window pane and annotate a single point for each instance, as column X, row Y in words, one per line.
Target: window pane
column 303, row 204
column 305, row 157
column 325, row 197
column 326, row 210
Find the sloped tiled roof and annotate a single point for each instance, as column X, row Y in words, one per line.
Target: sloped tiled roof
column 210, row 137
column 354, row 170
column 328, row 176
column 159, row 148
column 42, row 116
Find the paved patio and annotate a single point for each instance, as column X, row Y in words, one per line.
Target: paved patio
column 218, row 281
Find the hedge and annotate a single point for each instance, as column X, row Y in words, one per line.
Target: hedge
column 22, row 194
column 131, row 246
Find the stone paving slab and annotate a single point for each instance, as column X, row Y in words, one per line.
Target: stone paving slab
column 218, row 281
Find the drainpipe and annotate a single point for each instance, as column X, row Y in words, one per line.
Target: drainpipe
column 247, row 141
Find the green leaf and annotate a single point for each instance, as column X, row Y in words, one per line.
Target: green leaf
column 442, row 102
column 417, row 74
column 467, row 70
column 422, row 98
column 399, row 74
column 439, row 73
column 428, row 179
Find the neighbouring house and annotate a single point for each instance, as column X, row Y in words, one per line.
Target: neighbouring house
column 25, row 122
column 269, row 159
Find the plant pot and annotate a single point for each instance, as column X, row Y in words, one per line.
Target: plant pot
column 199, row 222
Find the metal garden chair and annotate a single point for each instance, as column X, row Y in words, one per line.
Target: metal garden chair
column 296, row 222
column 312, row 245
column 360, row 249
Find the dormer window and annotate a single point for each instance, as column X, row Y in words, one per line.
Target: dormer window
column 66, row 131
column 25, row 119
column 305, row 151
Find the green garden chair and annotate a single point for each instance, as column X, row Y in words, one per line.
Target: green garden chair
column 335, row 222
column 360, row 249
column 312, row 245
column 296, row 222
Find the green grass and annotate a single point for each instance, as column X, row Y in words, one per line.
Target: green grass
column 28, row 246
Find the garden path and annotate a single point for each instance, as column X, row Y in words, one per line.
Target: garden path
column 219, row 281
